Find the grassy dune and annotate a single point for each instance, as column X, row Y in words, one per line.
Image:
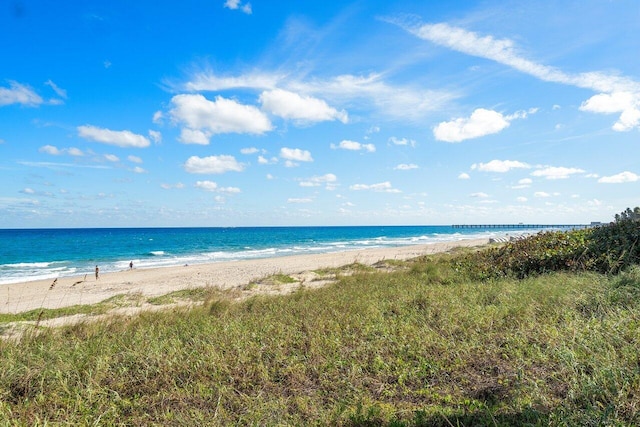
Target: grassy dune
column 426, row 344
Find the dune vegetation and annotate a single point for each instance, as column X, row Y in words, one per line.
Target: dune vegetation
column 539, row 331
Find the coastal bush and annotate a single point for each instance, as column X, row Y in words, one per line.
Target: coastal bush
column 616, row 246
column 609, row 248
column 538, row 254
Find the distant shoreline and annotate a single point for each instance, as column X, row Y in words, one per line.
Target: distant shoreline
column 75, row 290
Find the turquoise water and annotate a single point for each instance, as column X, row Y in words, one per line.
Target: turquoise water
column 34, row 254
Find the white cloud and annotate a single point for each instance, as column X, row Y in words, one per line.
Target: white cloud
column 406, row 167
column 213, row 187
column 219, row 116
column 237, row 4
column 158, row 117
column 402, row 141
column 191, row 136
column 250, row 150
column 523, row 183
column 620, row 178
column 295, row 200
column 551, row 172
column 112, row 158
column 207, row 185
column 398, row 102
column 316, row 181
column 479, row 195
column 60, row 92
column 481, row 122
column 354, row 146
column 138, row 169
column 264, row 161
column 613, row 90
column 76, row 152
column 385, row 187
column 625, row 103
column 155, row 136
column 212, row 165
column 50, row 149
column 134, row 159
column 17, row 93
column 301, row 108
column 521, row 199
column 55, row 151
column 123, row 138
column 208, row 81
column 541, row 194
column 464, row 176
column 500, row 166
column 170, row 186
column 296, row 154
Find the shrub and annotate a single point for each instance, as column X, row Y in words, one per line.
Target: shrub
column 537, row 254
column 616, row 246
column 606, row 249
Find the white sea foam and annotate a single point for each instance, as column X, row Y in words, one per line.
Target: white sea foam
column 152, row 258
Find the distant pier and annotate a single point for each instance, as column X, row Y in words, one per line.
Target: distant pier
column 510, row 226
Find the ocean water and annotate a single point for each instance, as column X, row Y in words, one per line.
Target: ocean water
column 35, row 254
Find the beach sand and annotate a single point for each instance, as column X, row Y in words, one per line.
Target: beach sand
column 68, row 291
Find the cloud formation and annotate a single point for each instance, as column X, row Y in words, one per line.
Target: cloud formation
column 237, row 4
column 398, row 102
column 620, row 178
column 301, row 108
column 402, row 141
column 18, row 93
column 552, row 172
column 384, row 187
column 120, row 138
column 615, row 94
column 317, row 181
column 213, row 187
column 296, row 154
column 354, row 146
column 204, row 118
column 55, row 151
column 500, row 166
column 406, row 167
column 212, row 165
column 481, row 122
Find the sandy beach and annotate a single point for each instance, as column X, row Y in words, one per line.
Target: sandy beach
column 68, row 291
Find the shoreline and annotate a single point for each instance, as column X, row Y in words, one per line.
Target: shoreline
column 157, row 281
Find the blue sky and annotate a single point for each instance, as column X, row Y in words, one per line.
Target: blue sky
column 246, row 113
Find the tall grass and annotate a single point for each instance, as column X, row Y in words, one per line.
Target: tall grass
column 426, row 345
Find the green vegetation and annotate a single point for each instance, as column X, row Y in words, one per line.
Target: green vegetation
column 607, row 249
column 535, row 332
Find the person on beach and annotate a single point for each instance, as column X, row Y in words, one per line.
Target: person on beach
column 97, row 272
column 131, row 265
